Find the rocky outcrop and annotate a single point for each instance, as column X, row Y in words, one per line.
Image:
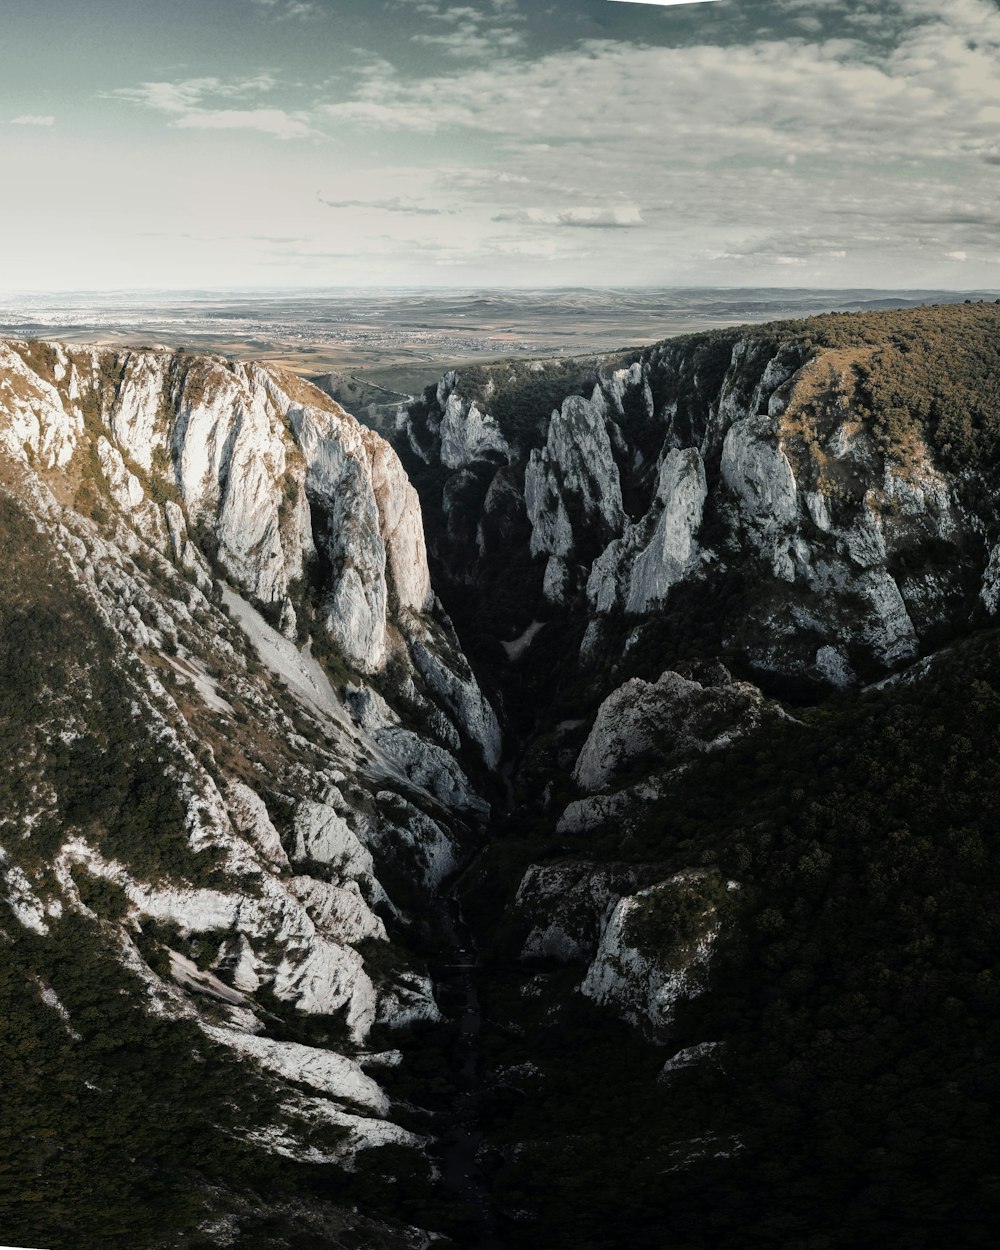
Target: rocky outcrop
column 467, row 434
column 566, row 907
column 572, row 492
column 270, row 474
column 635, row 573
column 662, row 723
column 656, row 948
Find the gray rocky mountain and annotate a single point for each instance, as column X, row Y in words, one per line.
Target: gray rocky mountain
column 248, row 564
column 272, row 684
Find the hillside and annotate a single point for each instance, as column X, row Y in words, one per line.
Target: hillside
column 786, row 904
column 572, row 828
column 232, row 768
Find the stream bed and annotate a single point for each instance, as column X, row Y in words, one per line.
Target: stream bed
column 455, row 980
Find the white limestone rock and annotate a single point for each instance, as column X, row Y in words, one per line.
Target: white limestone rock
column 469, row 435
column 403, row 828
column 682, row 491
column 125, row 488
column 316, row 974
column 301, row 1114
column 28, row 908
column 38, row 417
column 373, row 535
column 184, row 551
column 323, row 1070
column 609, row 810
column 568, row 905
column 574, row 473
column 636, row 572
column 888, row 629
column 461, row 695
column 990, row 589
column 338, row 911
column 621, row 380
column 666, row 721
column 410, row 1000
column 832, row 664
column 430, row 767
column 643, row 976
column 250, row 816
column 324, row 836
column 755, row 468
column 689, row 1057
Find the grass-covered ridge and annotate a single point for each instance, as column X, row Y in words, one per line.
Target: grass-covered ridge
column 935, row 369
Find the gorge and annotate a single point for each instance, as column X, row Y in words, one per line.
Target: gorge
column 571, row 825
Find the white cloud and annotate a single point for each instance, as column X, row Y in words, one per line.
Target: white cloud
column 730, row 149
column 192, row 104
column 471, row 40
column 624, row 217
column 662, row 3
column 290, row 8
column 33, row 119
column 267, row 121
column 477, row 32
column 397, row 204
column 784, row 157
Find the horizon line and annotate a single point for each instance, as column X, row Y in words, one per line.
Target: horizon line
column 35, row 293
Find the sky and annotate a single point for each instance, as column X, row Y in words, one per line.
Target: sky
column 250, row 143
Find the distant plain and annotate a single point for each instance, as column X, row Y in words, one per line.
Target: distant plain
column 382, row 345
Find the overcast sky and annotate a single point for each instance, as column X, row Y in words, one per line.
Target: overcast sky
column 204, row 143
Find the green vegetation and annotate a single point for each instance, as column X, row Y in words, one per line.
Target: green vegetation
column 934, row 369
column 122, row 1129
column 855, row 984
column 672, row 918
column 855, row 993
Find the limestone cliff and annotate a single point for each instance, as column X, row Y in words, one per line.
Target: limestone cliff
column 256, row 711
column 746, row 464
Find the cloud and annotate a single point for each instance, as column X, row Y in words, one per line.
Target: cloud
column 471, row 40
column 33, row 119
column 662, row 3
column 863, row 137
column 394, row 205
column 621, row 218
column 274, row 122
column 477, row 32
column 290, row 9
column 192, row 104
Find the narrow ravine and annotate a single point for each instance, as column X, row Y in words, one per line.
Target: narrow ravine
column 455, row 981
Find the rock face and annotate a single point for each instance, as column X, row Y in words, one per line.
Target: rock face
column 663, row 723
column 252, row 749
column 655, row 949
column 467, row 434
column 571, row 490
column 684, row 476
column 636, row 571
column 568, row 906
column 232, row 573
column 270, row 474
